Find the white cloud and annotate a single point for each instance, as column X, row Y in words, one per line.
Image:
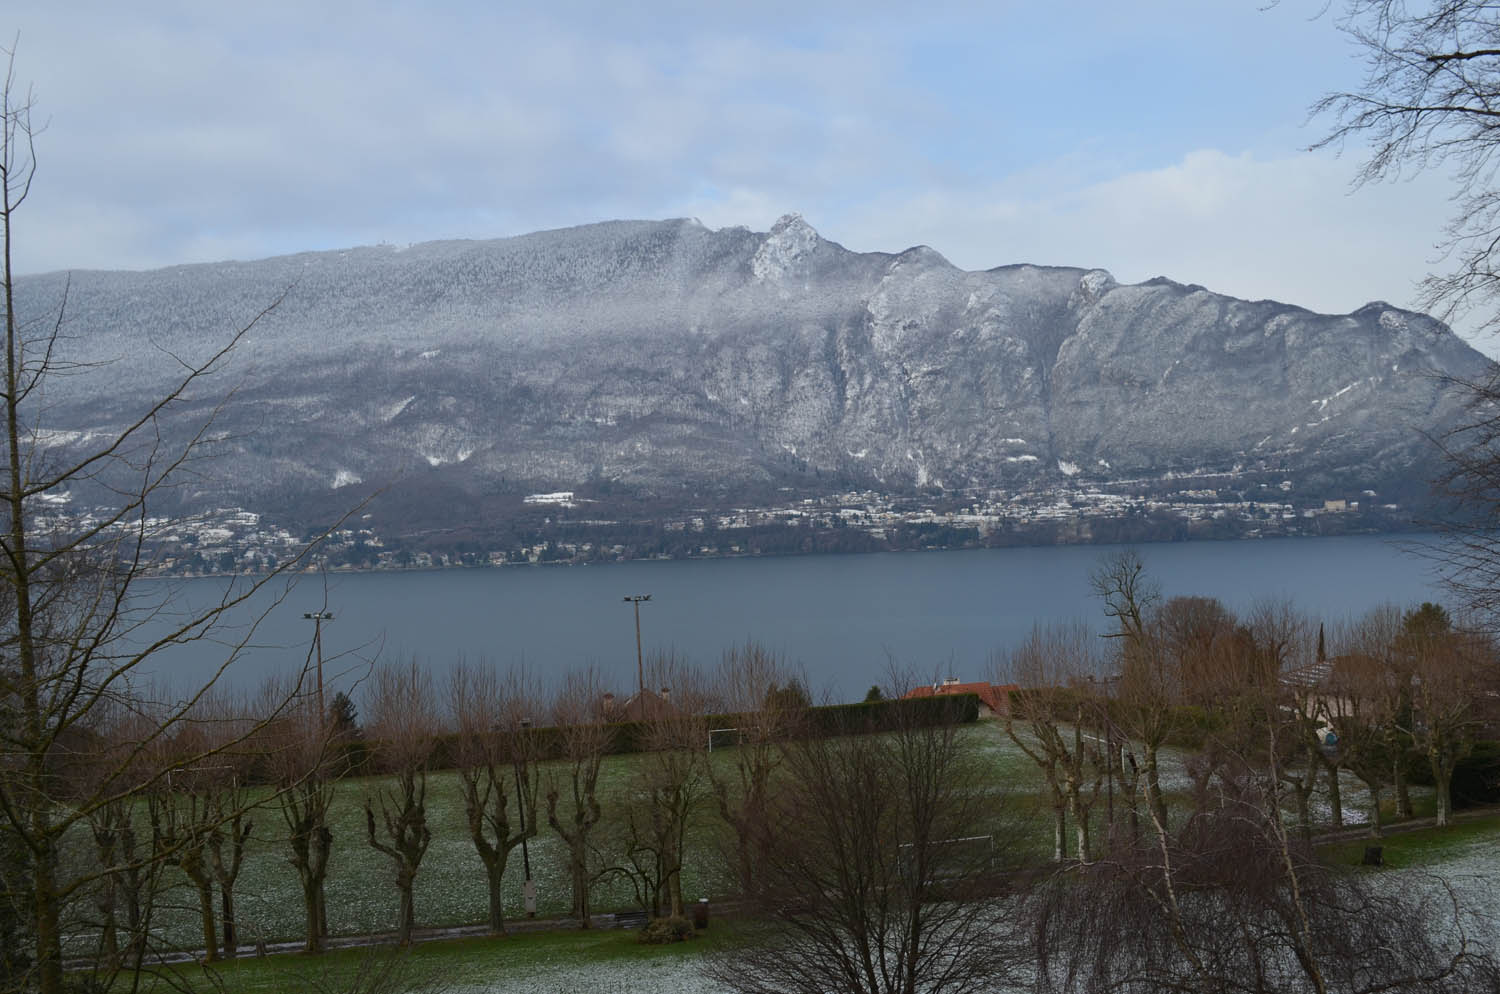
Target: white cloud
column 188, row 133
column 1286, row 228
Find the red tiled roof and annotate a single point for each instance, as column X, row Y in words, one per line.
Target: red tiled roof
column 996, row 697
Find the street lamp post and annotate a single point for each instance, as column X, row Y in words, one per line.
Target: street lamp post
column 640, row 667
column 528, row 888
column 317, row 618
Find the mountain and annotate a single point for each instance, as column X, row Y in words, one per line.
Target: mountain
column 674, row 361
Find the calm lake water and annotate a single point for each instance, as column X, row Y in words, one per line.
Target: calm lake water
column 840, row 618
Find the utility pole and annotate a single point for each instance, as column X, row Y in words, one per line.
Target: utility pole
column 317, row 618
column 528, row 886
column 640, row 666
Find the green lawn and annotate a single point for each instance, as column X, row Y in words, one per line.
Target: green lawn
column 1425, row 847
column 450, row 887
column 509, row 962
column 451, row 890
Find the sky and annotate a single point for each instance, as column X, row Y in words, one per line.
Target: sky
column 1150, row 138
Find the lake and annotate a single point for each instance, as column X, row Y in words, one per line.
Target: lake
column 840, row 618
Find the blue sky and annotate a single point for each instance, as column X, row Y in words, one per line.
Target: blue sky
column 1148, row 138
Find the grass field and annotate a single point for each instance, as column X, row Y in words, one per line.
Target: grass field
column 612, row 962
column 451, row 891
column 450, row 887
column 564, row 961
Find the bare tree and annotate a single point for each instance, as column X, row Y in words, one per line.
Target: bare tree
column 747, row 677
column 294, row 739
column 404, row 725
column 1363, row 707
column 1230, row 902
column 1052, row 720
column 1447, row 667
column 882, row 870
column 578, row 714
column 493, row 747
column 123, row 838
column 1429, row 100
column 74, row 635
column 1147, row 688
column 670, row 780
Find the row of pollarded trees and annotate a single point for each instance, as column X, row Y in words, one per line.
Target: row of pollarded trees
column 525, row 762
column 1261, row 694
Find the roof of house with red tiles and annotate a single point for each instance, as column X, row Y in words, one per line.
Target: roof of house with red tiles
column 996, row 697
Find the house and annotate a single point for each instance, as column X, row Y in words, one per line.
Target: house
column 648, row 705
column 994, row 699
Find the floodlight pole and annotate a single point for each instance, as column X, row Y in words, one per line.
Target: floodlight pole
column 528, row 887
column 640, row 666
column 317, row 618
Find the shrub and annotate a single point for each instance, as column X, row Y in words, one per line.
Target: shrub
column 1476, row 780
column 660, row 931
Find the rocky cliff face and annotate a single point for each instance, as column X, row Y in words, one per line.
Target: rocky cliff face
column 659, row 355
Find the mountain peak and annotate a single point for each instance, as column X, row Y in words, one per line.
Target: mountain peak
column 787, row 245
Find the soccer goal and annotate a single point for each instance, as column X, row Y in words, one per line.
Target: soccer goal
column 722, row 737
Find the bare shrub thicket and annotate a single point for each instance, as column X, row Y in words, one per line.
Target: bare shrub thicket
column 880, row 869
column 1230, row 902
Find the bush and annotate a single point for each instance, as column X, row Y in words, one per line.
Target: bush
column 1476, row 780
column 660, row 931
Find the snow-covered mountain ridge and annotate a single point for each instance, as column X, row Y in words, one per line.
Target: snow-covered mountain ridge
column 664, row 356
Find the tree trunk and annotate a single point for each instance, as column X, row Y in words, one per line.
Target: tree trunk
column 1443, row 783
column 1375, row 827
column 48, row 931
column 494, row 870
column 1059, row 834
column 1304, row 815
column 311, row 906
column 1153, row 789
column 205, row 890
column 408, row 915
column 1335, row 796
column 231, row 938
column 579, row 870
column 1398, row 780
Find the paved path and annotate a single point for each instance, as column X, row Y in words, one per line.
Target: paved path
column 1356, row 832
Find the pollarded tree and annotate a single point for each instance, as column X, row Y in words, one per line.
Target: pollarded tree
column 403, row 726
column 494, row 746
column 573, row 809
column 294, row 739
